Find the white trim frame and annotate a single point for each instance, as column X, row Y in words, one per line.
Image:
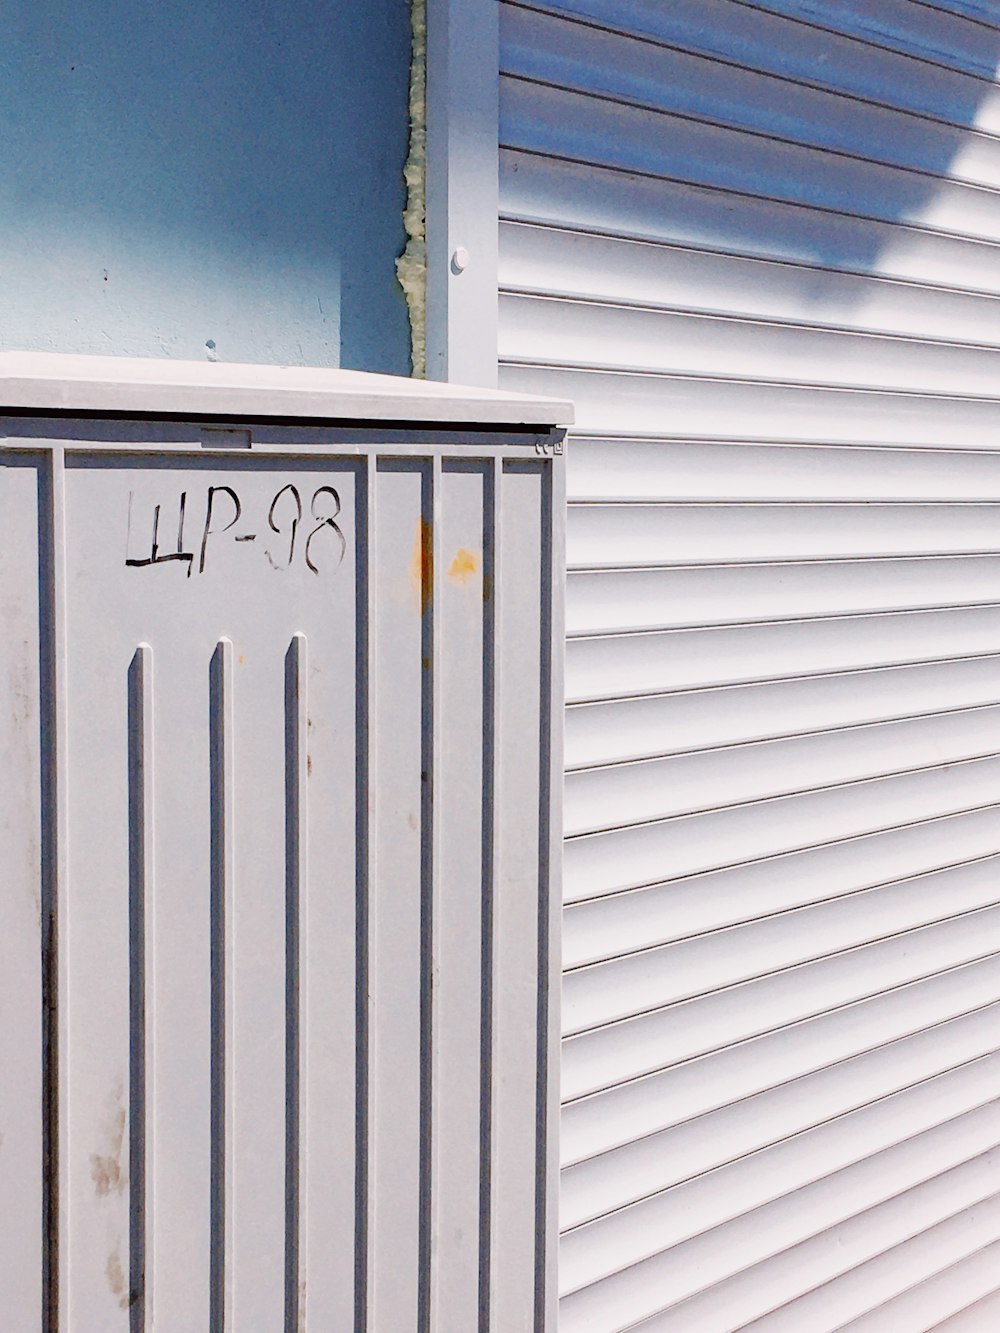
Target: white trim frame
column 463, row 80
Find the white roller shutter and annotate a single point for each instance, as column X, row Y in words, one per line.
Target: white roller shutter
column 759, row 245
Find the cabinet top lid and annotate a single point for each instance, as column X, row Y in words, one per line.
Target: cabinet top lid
column 58, row 382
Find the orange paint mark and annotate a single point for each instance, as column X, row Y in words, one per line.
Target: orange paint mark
column 464, row 564
column 422, row 564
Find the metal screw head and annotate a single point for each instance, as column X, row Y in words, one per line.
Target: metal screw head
column 460, row 260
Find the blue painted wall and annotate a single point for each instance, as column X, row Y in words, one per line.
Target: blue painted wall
column 217, row 180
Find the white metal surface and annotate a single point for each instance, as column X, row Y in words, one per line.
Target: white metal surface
column 756, row 243
column 49, row 381
column 279, row 835
column 462, row 96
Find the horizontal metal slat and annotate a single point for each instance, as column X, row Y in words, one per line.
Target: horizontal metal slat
column 933, row 1218
column 609, row 601
column 925, row 32
column 604, row 928
column 607, row 992
column 629, row 337
column 970, row 1284
column 571, row 263
column 962, row 1253
column 613, row 732
column 979, row 11
column 631, row 1264
column 539, row 188
column 607, row 667
column 822, row 58
column 635, row 403
column 623, row 795
column 630, row 535
column 557, row 48
column 920, row 1197
column 617, row 1116
column 617, row 469
column 979, row 1317
column 601, row 863
column 643, row 1045
column 543, row 118
column 621, row 1176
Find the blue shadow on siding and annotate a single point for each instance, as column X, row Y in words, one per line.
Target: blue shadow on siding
column 717, row 121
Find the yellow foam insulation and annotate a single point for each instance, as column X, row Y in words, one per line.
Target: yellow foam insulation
column 411, row 266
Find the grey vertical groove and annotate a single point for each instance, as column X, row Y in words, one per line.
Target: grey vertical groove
column 141, row 985
column 430, row 499
column 296, row 933
column 365, row 876
column 53, row 910
column 491, row 595
column 544, row 859
column 554, row 498
column 221, row 931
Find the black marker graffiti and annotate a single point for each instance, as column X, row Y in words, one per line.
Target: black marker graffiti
column 293, row 494
column 212, row 492
column 154, row 557
column 284, row 517
column 325, row 521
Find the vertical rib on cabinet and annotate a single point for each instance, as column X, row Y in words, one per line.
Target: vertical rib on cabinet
column 492, row 730
column 492, row 1105
column 550, row 898
column 142, row 990
column 462, row 879
column 519, row 800
column 544, row 941
column 398, row 966
column 56, row 1103
column 430, row 860
column 296, row 978
column 367, row 869
column 223, row 930
column 22, row 646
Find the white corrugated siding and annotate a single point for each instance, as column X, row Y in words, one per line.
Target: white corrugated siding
column 759, row 245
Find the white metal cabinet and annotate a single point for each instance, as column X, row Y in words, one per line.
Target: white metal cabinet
column 757, row 244
column 280, row 840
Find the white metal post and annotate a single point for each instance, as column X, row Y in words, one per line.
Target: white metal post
column 462, row 193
